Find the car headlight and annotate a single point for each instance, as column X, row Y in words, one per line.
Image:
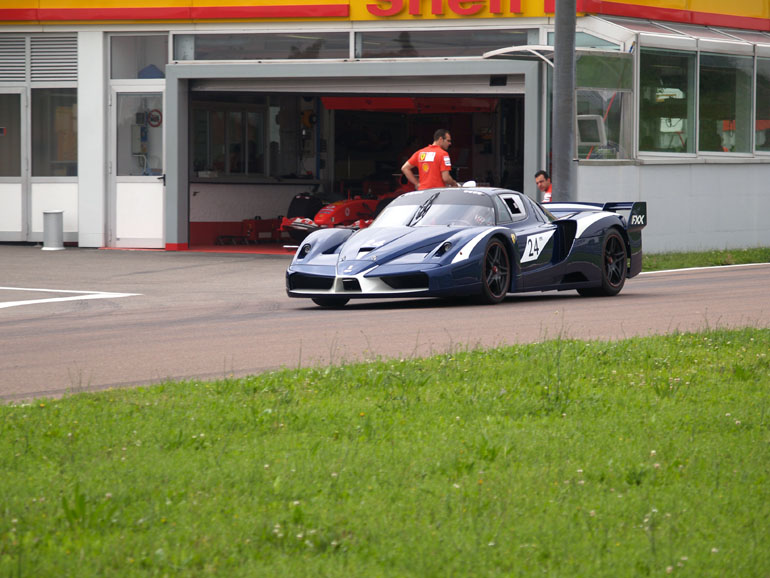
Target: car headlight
column 443, row 248
column 303, row 251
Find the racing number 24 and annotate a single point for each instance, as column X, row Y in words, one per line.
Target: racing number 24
column 535, row 244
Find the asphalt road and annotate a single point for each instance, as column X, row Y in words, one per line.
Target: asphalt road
column 87, row 319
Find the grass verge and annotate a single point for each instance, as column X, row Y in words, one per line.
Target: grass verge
column 648, row 456
column 662, row 261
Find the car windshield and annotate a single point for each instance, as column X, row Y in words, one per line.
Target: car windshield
column 448, row 208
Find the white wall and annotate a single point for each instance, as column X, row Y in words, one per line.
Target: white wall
column 92, row 139
column 54, row 197
column 690, row 207
column 10, row 207
column 211, row 202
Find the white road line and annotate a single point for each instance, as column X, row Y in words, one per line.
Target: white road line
column 704, row 268
column 80, row 296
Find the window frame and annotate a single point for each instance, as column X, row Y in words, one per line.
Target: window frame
column 692, row 106
column 752, row 104
column 245, row 109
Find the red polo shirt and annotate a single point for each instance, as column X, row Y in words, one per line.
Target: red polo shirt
column 431, row 161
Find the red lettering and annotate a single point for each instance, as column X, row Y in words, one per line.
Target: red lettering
column 393, row 7
column 436, row 7
column 466, row 7
column 459, row 7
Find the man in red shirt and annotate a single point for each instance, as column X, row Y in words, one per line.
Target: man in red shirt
column 432, row 162
column 543, row 182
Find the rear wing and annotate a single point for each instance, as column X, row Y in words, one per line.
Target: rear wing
column 633, row 214
column 636, row 220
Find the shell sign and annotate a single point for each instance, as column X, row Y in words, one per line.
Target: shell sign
column 446, row 8
column 753, row 14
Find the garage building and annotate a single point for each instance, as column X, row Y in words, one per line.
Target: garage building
column 169, row 124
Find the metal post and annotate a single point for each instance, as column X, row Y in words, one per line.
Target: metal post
column 563, row 147
column 53, row 230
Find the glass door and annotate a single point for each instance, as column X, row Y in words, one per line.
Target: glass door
column 137, row 199
column 14, row 168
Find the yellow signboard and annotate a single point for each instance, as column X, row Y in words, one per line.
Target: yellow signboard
column 752, row 14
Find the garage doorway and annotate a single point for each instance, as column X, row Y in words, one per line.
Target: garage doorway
column 296, row 99
column 252, row 153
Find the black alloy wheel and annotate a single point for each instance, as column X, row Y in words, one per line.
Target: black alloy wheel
column 614, row 266
column 495, row 273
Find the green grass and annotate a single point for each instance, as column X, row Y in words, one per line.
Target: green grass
column 661, row 261
column 646, row 456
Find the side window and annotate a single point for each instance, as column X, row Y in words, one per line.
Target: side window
column 503, row 214
column 516, row 207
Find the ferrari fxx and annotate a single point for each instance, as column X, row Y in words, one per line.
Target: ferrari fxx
column 472, row 242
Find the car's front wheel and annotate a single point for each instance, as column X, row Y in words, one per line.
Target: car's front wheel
column 495, row 273
column 614, row 267
column 331, row 302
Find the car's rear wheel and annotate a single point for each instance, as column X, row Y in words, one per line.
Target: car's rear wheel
column 330, row 301
column 495, row 273
column 614, row 266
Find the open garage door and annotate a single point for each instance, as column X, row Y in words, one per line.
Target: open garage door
column 316, row 130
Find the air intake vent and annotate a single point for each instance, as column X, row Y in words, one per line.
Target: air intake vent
column 12, row 52
column 54, row 58
column 351, row 284
column 413, row 281
column 299, row 281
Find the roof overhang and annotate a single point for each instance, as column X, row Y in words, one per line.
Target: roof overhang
column 538, row 52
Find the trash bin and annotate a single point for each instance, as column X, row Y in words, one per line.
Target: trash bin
column 53, row 230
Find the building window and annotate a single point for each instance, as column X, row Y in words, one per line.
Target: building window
column 604, row 106
column 667, row 101
column 763, row 105
column 725, row 103
column 54, row 132
column 437, row 43
column 228, row 143
column 138, row 56
column 310, row 45
column 10, row 135
column 229, row 136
